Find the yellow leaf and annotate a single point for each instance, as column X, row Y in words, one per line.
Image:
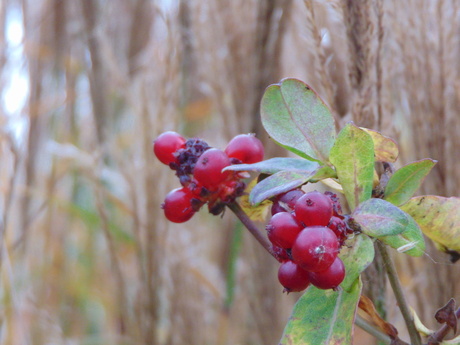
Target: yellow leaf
column 438, row 218
column 256, row 213
column 385, row 148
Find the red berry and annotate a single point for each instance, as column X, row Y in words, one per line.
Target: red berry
column 283, row 230
column 329, row 278
column 337, row 208
column 315, row 248
column 166, row 145
column 292, row 277
column 277, row 208
column 180, row 205
column 246, row 148
column 339, row 227
column 280, row 253
column 313, row 208
column 208, row 168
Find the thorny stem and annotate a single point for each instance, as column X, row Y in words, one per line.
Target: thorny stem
column 399, row 294
column 367, row 327
column 441, row 333
column 249, row 224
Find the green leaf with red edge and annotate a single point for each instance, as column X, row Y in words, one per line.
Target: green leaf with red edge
column 284, row 181
column 277, row 164
column 357, row 254
column 405, row 181
column 438, row 217
column 323, row 317
column 353, row 158
column 410, row 241
column 378, row 218
column 297, row 119
column 386, row 149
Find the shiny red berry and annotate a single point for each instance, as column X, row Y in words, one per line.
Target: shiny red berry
column 208, row 168
column 315, row 248
column 166, row 145
column 246, row 148
column 283, row 230
column 180, row 205
column 313, row 208
column 292, row 277
column 286, row 201
column 330, row 278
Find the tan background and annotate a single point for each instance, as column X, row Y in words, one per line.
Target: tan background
column 87, row 257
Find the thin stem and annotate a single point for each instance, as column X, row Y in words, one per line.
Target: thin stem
column 249, row 224
column 367, row 327
column 441, row 333
column 399, row 294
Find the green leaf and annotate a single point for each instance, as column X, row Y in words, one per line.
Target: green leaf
column 323, row 317
column 357, row 254
column 386, row 149
column 410, row 241
column 438, row 217
column 406, row 180
column 297, row 119
column 353, row 158
column 378, row 218
column 274, row 165
column 280, row 182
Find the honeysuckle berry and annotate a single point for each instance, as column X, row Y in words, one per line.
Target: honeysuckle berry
column 246, row 148
column 166, row 145
column 313, row 208
column 339, row 227
column 208, row 168
column 315, row 248
column 283, row 229
column 286, row 201
column 180, row 205
column 330, row 278
column 280, row 254
column 292, row 277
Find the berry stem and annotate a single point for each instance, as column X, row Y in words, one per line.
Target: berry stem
column 367, row 327
column 399, row 294
column 249, row 224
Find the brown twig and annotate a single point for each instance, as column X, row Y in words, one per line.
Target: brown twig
column 249, row 224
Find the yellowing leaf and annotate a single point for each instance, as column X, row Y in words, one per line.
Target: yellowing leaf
column 438, row 217
column 256, row 213
column 386, row 149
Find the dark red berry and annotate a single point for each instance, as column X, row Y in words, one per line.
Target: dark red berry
column 315, row 248
column 277, row 208
column 330, row 278
column 166, row 145
column 339, row 227
column 246, row 148
column 280, row 254
column 337, row 208
column 290, row 198
column 292, row 277
column 208, row 168
column 313, row 208
column 283, row 230
column 180, row 205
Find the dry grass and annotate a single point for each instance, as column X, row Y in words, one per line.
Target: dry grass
column 86, row 255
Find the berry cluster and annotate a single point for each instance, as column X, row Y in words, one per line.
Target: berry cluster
column 199, row 169
column 307, row 231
